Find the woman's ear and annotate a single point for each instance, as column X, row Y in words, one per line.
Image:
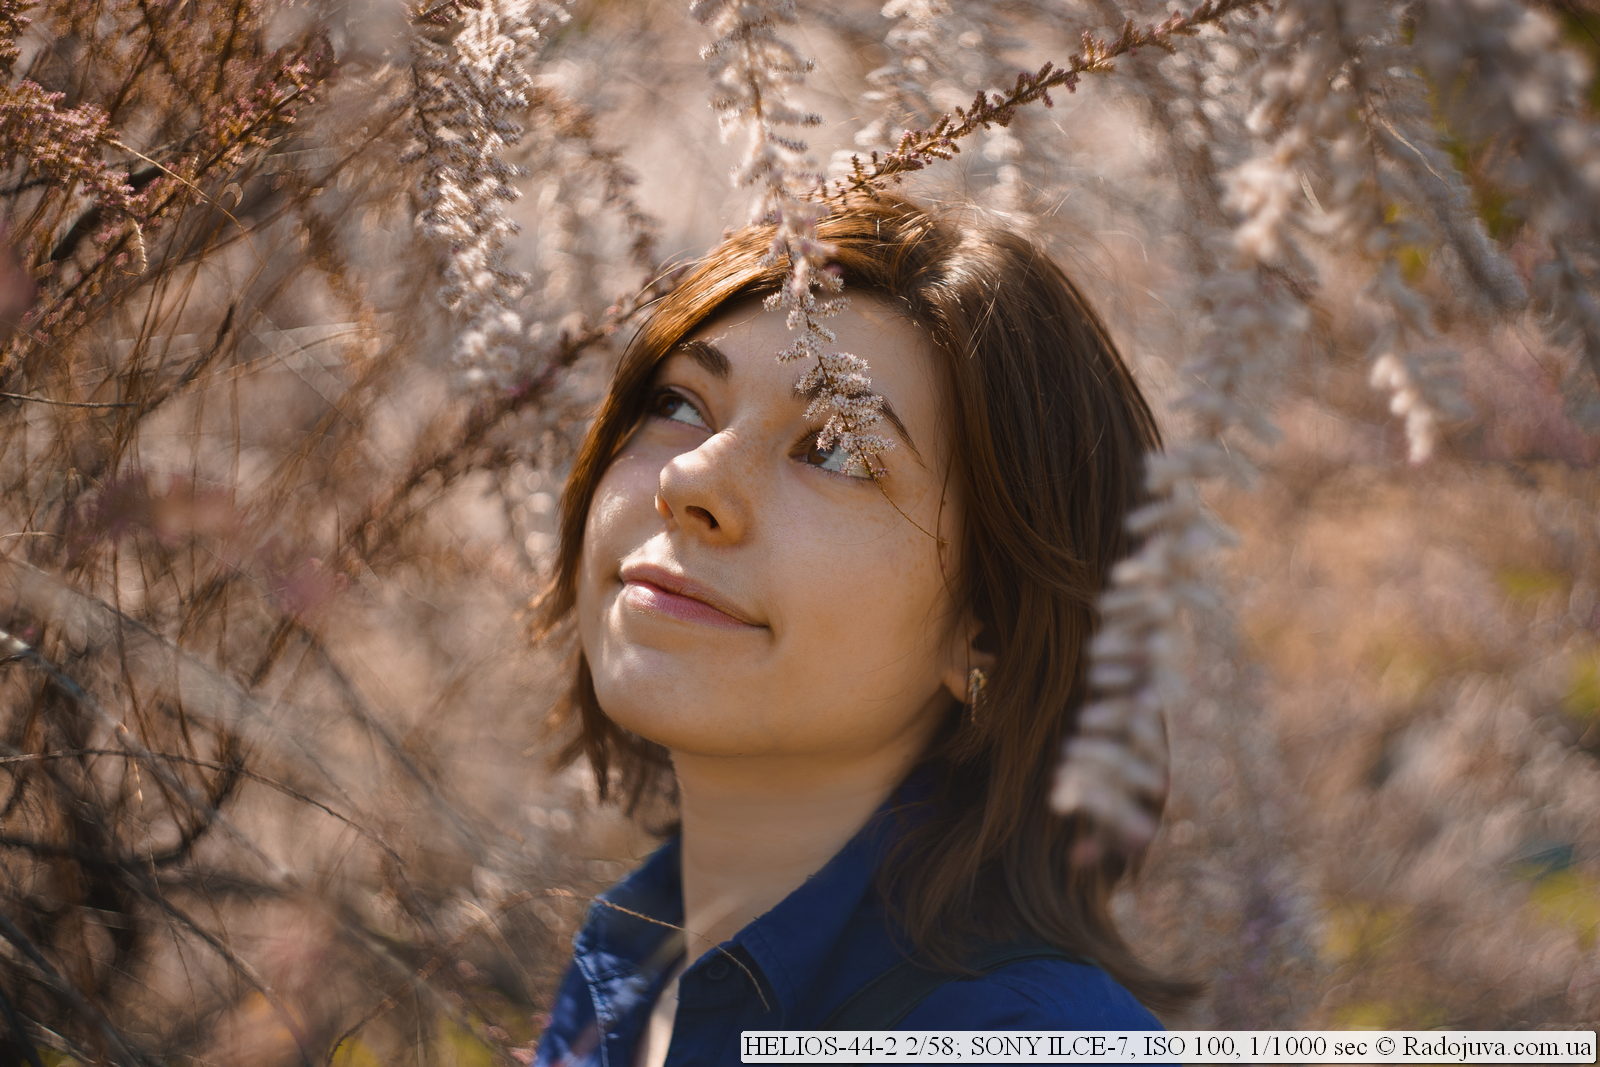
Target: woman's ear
column 970, row 646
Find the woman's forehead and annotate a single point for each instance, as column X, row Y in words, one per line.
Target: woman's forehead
column 869, row 327
column 742, row 344
column 857, row 309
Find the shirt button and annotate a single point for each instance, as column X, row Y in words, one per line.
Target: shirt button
column 718, row 969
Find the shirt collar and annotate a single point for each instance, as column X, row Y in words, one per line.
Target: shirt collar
column 631, row 928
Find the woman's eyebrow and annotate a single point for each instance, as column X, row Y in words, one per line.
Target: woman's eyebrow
column 711, row 358
column 716, row 363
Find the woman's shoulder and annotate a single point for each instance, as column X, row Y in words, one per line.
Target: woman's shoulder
column 1036, row 994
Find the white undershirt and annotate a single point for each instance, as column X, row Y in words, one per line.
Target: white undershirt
column 657, row 1035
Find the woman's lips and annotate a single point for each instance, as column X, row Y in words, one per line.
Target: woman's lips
column 656, row 588
column 648, row 596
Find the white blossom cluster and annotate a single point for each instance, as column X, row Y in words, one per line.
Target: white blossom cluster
column 1168, row 643
column 1317, row 115
column 1116, row 761
column 471, row 88
column 1306, row 119
column 1350, row 157
column 1350, row 168
column 1117, row 757
column 752, row 70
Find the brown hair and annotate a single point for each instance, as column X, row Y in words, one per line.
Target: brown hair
column 1050, row 431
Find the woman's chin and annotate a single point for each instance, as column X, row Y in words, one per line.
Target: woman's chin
column 671, row 711
column 690, row 734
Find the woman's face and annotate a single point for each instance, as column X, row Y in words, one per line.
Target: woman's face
column 818, row 620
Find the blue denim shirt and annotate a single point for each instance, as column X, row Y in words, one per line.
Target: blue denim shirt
column 788, row 969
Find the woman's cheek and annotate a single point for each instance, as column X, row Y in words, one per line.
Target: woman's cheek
column 881, row 595
column 629, row 485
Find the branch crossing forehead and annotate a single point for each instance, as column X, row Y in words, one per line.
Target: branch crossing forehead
column 752, row 69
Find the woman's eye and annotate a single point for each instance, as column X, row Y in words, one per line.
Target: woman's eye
column 670, row 404
column 836, row 460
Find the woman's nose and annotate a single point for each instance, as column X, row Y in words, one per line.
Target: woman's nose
column 706, row 490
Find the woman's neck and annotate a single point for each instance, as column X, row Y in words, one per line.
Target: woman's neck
column 755, row 830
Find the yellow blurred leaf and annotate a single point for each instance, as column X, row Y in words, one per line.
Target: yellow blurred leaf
column 1583, row 688
column 1365, row 1015
column 1351, row 932
column 1388, row 1014
column 1413, row 261
column 1567, row 898
column 462, row 1048
column 354, row 1053
column 1527, row 583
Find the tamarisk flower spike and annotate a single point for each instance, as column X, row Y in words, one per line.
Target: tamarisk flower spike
column 470, row 89
column 752, row 69
column 1113, row 770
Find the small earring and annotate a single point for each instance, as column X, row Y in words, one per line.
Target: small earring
column 976, row 681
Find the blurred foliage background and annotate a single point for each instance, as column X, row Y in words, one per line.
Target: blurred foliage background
column 304, row 307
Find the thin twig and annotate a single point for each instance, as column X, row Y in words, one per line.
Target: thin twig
column 71, row 403
column 918, row 148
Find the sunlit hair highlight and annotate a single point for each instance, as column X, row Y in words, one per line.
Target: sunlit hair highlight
column 1049, row 430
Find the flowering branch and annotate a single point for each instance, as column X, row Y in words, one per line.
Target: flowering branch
column 469, row 90
column 1114, row 767
column 64, row 144
column 752, row 68
column 382, row 519
column 13, row 21
column 125, row 204
column 918, row 148
column 1319, row 114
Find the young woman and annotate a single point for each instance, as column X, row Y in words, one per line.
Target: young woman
column 854, row 686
